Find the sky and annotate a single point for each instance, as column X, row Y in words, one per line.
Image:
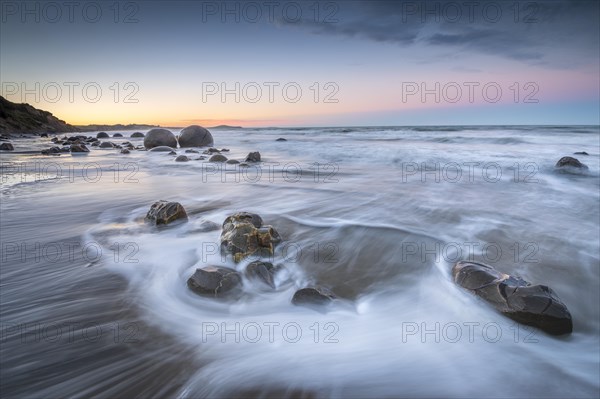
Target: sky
column 304, row 63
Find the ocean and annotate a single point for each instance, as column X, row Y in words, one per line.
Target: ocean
column 94, row 302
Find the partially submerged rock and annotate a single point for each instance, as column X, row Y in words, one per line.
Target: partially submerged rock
column 6, row 147
column 107, row 144
column 138, row 134
column 570, row 165
column 581, row 153
column 160, row 137
column 102, row 135
column 244, row 234
column 161, row 148
column 117, row 135
column 195, row 136
column 165, row 212
column 263, row 271
column 215, row 281
column 217, row 158
column 182, row 158
column 79, row 148
column 312, row 296
column 534, row 305
column 253, row 157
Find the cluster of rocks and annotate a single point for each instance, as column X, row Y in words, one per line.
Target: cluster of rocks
column 244, row 235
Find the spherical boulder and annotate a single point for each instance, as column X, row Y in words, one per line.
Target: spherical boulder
column 195, row 136
column 107, row 144
column 117, row 135
column 160, row 137
column 182, row 158
column 6, row 147
column 102, row 135
column 138, row 134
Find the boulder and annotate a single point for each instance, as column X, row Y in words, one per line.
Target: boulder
column 217, row 158
column 51, row 150
column 195, row 136
column 263, row 271
column 253, row 157
column 125, row 151
column 107, row 144
column 281, row 139
column 165, row 212
column 215, row 282
column 211, row 150
column 96, row 144
column 102, row 135
column 581, row 153
column 244, row 235
column 138, row 134
column 570, row 164
column 312, row 296
column 182, row 158
column 6, row 147
column 232, row 162
column 79, row 148
column 160, row 137
column 192, row 152
column 117, row 135
column 533, row 305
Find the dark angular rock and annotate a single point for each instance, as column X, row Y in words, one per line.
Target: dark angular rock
column 102, row 135
column 263, row 271
column 216, row 282
column 44, row 135
column 244, row 235
column 253, row 157
column 534, row 305
column 192, row 152
column 581, row 153
column 6, row 147
column 96, row 144
column 195, row 136
column 125, row 151
column 224, row 150
column 312, row 296
column 160, row 137
column 165, row 212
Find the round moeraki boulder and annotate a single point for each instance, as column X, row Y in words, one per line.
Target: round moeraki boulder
column 165, row 212
column 182, row 158
column 160, row 137
column 217, row 158
column 138, row 134
column 195, row 136
column 102, row 135
column 162, row 148
column 215, row 281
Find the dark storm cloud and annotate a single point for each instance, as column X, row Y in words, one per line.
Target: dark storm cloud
column 542, row 32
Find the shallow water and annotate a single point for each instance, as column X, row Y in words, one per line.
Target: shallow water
column 93, row 302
